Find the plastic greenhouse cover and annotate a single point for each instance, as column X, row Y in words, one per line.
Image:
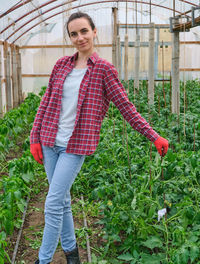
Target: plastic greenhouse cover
column 39, row 16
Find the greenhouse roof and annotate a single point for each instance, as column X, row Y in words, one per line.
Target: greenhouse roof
column 19, row 19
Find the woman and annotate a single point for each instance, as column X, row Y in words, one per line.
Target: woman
column 67, row 127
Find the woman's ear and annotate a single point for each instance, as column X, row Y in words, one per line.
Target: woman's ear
column 95, row 32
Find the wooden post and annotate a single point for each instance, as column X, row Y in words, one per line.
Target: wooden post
column 175, row 74
column 126, row 58
column 151, row 64
column 19, row 74
column 119, row 56
column 5, row 72
column 1, row 95
column 15, row 87
column 137, row 61
column 114, row 42
column 7, row 77
column 8, row 80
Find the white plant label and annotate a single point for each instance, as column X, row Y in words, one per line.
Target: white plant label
column 161, row 213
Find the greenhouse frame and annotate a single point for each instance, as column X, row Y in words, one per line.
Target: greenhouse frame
column 129, row 204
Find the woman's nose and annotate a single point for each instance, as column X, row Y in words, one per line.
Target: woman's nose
column 80, row 37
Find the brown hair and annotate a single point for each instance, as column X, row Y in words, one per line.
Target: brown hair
column 80, row 15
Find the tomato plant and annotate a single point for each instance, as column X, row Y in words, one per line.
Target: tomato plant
column 130, row 198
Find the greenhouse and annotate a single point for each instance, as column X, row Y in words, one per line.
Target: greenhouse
column 131, row 66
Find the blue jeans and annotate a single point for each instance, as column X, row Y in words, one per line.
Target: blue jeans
column 61, row 169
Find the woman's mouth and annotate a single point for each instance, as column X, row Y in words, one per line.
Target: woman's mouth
column 83, row 44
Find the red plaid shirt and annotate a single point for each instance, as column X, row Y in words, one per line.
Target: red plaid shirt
column 99, row 86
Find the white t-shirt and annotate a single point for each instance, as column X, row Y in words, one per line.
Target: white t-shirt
column 69, row 106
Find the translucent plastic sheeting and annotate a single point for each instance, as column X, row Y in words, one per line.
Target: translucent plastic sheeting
column 42, row 23
column 32, row 15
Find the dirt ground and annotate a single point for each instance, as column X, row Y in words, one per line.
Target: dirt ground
column 32, row 234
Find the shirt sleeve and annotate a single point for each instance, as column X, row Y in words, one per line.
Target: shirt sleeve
column 35, row 132
column 117, row 94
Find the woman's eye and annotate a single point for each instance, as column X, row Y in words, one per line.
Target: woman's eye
column 73, row 34
column 84, row 31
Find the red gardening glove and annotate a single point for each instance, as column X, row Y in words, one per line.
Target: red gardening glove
column 161, row 145
column 36, row 151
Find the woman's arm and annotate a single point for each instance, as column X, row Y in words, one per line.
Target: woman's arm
column 117, row 94
column 35, row 132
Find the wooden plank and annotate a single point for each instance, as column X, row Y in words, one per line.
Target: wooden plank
column 15, row 87
column 189, row 42
column 143, row 25
column 189, row 69
column 30, row 75
column 7, row 43
column 114, row 43
column 19, row 74
column 5, row 49
column 119, row 56
column 185, row 26
column 60, row 46
column 8, row 81
column 45, row 46
column 151, row 63
column 126, row 58
column 35, row 75
column 175, row 98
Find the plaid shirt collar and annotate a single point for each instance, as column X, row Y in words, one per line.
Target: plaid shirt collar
column 91, row 60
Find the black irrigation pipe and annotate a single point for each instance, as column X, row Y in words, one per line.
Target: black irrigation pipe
column 22, row 225
column 20, row 231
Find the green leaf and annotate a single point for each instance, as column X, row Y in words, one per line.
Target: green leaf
column 126, row 256
column 2, row 235
column 151, row 259
column 193, row 238
column 17, row 194
column 134, row 261
column 27, row 177
column 184, row 255
column 153, row 242
column 21, row 207
column 194, row 253
column 94, row 258
column 133, row 203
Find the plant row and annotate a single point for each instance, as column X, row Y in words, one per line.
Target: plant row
column 132, row 183
column 17, row 175
column 126, row 177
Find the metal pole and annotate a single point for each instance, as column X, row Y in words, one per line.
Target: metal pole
column 137, row 62
column 114, row 40
column 119, row 56
column 174, row 4
column 150, row 11
column 175, row 73
column 151, row 64
column 126, row 58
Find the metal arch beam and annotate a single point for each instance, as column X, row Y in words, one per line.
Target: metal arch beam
column 30, row 20
column 14, row 8
column 184, row 1
column 57, row 6
column 99, row 2
column 33, row 10
column 49, row 2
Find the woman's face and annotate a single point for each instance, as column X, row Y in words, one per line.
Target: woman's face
column 81, row 35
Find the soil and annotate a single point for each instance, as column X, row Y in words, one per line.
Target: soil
column 32, row 234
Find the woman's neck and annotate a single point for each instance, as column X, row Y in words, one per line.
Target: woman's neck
column 82, row 59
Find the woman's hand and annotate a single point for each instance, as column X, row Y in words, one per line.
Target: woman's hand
column 36, row 151
column 161, row 145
